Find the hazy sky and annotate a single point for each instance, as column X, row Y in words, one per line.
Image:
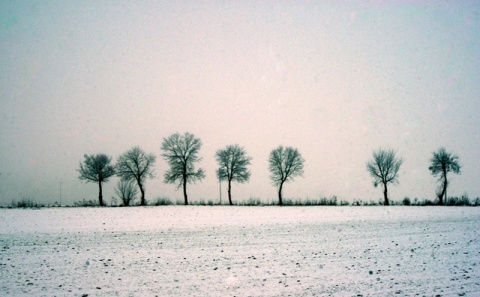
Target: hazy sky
column 335, row 79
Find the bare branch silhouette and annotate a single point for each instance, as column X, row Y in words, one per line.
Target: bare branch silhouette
column 441, row 163
column 126, row 191
column 136, row 165
column 97, row 169
column 233, row 163
column 285, row 163
column 181, row 153
column 384, row 169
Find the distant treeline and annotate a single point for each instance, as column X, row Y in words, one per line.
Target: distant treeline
column 181, row 152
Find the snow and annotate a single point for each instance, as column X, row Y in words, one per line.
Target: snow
column 240, row 251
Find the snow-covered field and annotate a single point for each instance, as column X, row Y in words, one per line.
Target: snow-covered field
column 240, row 251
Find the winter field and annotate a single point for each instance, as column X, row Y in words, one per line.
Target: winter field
column 240, row 251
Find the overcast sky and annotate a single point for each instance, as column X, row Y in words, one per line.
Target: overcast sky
column 335, row 79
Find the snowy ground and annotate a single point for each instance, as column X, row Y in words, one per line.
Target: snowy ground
column 240, row 251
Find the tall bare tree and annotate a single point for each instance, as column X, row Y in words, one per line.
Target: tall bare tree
column 441, row 163
column 233, row 162
column 126, row 191
column 97, row 169
column 181, row 153
column 384, row 169
column 285, row 163
column 136, row 165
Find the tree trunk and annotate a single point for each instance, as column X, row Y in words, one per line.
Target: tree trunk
column 444, row 191
column 100, row 196
column 280, row 202
column 385, row 195
column 185, row 190
column 230, row 192
column 142, row 194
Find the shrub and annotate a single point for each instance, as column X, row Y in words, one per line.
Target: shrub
column 459, row 201
column 126, row 191
column 476, row 202
column 85, row 203
column 327, row 201
column 360, row 202
column 357, row 202
column 202, row 202
column 252, row 201
column 162, row 201
column 290, row 202
column 428, row 202
column 406, row 201
column 26, row 203
column 311, row 202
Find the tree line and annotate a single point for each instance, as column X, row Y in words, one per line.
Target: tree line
column 181, row 152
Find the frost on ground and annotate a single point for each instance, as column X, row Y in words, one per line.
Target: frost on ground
column 240, row 251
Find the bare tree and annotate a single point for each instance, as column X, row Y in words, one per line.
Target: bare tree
column 384, row 169
column 126, row 191
column 233, row 163
column 136, row 165
column 181, row 153
column 97, row 169
column 285, row 164
column 441, row 163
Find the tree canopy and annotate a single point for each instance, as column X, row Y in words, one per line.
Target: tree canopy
column 441, row 163
column 181, row 154
column 136, row 165
column 97, row 169
column 384, row 169
column 233, row 162
column 285, row 163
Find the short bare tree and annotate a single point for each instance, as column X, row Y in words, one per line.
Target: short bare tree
column 127, row 191
column 441, row 163
column 97, row 169
column 285, row 163
column 181, row 153
column 233, row 162
column 384, row 169
column 136, row 165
